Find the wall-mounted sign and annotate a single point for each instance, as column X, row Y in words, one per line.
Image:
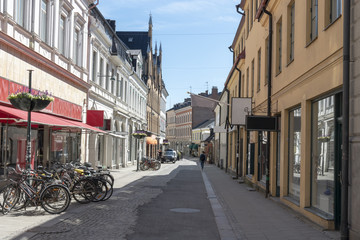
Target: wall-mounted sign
column 261, row 123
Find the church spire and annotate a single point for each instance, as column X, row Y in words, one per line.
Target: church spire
column 160, row 53
column 150, row 32
column 150, row 20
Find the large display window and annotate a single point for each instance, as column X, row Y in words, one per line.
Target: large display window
column 65, row 146
column 294, row 154
column 13, row 145
column 323, row 155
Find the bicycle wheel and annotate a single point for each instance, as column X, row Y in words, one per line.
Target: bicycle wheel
column 101, row 188
column 84, row 191
column 23, row 202
column 156, row 166
column 110, row 190
column 9, row 197
column 55, row 199
column 108, row 177
column 144, row 166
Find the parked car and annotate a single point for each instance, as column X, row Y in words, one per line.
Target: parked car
column 169, row 156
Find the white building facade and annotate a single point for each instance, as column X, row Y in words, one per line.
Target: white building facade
column 118, row 91
column 45, row 43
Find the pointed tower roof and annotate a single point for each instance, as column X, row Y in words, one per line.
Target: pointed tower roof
column 150, row 20
column 148, row 48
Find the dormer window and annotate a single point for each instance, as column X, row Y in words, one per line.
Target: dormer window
column 130, row 39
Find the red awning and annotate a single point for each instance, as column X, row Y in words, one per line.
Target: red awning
column 15, row 116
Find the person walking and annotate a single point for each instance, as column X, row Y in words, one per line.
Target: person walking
column 202, row 159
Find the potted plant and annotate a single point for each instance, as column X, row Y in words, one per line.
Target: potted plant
column 139, row 134
column 30, row 101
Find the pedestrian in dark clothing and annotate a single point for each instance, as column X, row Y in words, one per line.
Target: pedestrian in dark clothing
column 202, row 159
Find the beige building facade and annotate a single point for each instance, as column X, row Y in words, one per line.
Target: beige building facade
column 305, row 80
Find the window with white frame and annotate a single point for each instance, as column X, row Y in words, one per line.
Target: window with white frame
column 94, row 66
column 113, row 81
column 44, row 19
column 125, row 93
column 77, row 47
column 78, row 39
column 76, row 43
column 107, row 81
column 62, row 34
column 20, row 12
column 101, row 75
column 119, row 86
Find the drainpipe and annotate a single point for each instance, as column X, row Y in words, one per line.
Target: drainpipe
column 227, row 130
column 268, row 104
column 238, row 136
column 344, row 227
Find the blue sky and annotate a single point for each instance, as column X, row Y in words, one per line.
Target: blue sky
column 194, row 34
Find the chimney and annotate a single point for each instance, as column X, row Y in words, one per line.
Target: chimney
column 214, row 92
column 111, row 23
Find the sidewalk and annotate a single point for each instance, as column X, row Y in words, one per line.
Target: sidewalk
column 252, row 216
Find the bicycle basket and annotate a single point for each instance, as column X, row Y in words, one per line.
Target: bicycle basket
column 13, row 174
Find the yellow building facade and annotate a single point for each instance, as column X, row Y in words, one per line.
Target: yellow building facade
column 305, row 95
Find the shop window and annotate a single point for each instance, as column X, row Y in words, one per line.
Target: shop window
column 65, row 147
column 294, row 154
column 323, row 155
column 262, row 142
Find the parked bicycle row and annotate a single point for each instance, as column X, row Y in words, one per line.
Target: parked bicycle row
column 52, row 189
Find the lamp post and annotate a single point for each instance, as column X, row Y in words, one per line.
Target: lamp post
column 28, row 134
column 140, row 135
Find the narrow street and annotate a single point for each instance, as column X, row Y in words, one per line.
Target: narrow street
column 172, row 203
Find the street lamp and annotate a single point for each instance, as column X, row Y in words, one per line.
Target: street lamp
column 140, row 135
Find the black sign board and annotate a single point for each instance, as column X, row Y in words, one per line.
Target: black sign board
column 261, row 123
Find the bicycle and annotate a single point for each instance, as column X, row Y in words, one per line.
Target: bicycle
column 148, row 163
column 53, row 198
